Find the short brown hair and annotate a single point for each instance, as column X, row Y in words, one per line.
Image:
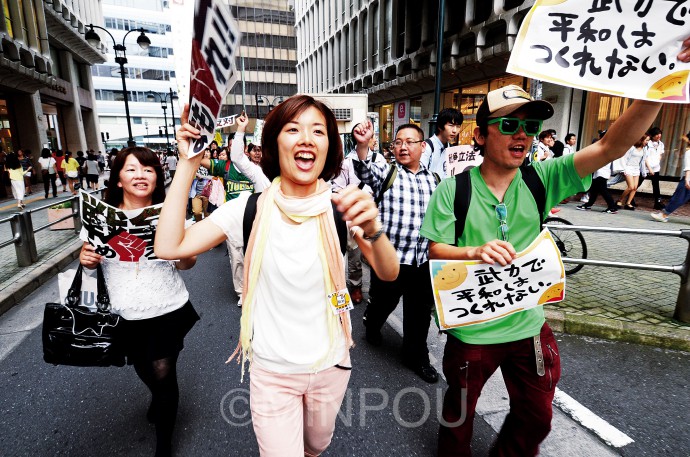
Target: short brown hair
column 146, row 157
column 286, row 112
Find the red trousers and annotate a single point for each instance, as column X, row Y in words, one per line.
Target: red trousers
column 467, row 367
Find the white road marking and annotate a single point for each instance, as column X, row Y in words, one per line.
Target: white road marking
column 585, row 417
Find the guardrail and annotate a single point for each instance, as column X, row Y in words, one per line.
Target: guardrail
column 682, row 311
column 23, row 229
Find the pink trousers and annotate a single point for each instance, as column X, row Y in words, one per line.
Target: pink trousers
column 294, row 414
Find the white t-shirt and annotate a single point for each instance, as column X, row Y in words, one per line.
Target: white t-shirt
column 654, row 151
column 290, row 326
column 48, row 164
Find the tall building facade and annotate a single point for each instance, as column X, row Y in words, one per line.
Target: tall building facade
column 268, row 55
column 149, row 74
column 387, row 49
column 46, row 91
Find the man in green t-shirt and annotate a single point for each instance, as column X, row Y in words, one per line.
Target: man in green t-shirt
column 235, row 183
column 507, row 121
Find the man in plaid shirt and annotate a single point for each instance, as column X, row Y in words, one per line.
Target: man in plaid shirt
column 402, row 211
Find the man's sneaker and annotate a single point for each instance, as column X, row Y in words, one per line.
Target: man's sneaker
column 583, row 207
column 585, row 198
column 659, row 217
column 610, row 211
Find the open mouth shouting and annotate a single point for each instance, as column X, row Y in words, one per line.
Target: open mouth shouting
column 305, row 160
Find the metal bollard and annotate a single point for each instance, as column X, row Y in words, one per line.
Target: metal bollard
column 76, row 216
column 30, row 238
column 682, row 312
column 21, row 246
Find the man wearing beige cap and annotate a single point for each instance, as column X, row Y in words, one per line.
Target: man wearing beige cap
column 502, row 217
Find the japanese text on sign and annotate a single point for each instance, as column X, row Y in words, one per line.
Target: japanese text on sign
column 472, row 292
column 622, row 48
column 121, row 235
column 461, row 158
column 216, row 36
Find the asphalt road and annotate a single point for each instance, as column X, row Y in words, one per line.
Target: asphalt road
column 48, row 410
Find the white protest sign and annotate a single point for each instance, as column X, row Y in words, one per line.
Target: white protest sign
column 461, row 158
column 621, row 48
column 117, row 234
column 216, row 36
column 225, row 121
column 472, row 292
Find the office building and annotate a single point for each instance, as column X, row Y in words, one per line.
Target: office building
column 46, row 91
column 147, row 70
column 267, row 54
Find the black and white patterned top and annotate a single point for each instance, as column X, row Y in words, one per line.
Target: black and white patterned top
column 402, row 207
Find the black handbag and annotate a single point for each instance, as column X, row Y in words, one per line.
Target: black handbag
column 78, row 336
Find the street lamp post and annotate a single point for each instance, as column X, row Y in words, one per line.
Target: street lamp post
column 163, row 99
column 264, row 99
column 120, row 58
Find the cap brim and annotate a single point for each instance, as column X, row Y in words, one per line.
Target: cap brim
column 536, row 109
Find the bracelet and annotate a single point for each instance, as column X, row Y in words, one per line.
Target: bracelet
column 375, row 236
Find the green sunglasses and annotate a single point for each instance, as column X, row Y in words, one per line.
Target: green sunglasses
column 510, row 125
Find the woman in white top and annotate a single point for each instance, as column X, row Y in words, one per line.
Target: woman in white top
column 295, row 327
column 49, row 171
column 655, row 152
column 633, row 161
column 149, row 295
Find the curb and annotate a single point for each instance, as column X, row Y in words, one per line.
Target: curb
column 610, row 329
column 39, row 276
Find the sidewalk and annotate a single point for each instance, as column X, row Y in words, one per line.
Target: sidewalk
column 620, row 304
column 56, row 248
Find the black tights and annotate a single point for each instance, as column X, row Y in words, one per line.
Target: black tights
column 160, row 376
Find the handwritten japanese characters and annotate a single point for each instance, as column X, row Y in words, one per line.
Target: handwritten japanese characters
column 472, row 292
column 461, row 158
column 122, row 235
column 623, row 48
column 225, row 121
column 216, row 36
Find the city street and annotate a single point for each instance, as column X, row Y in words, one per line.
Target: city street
column 641, row 392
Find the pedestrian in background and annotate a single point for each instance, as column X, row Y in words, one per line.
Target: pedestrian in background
column 71, row 168
column 49, row 171
column 59, row 157
column 682, row 193
column 652, row 165
column 27, row 165
column 633, row 161
column 91, row 168
column 151, row 297
column 16, row 172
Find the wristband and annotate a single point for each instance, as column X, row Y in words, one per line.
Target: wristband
column 375, row 236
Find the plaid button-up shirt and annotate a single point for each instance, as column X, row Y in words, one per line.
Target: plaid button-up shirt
column 402, row 207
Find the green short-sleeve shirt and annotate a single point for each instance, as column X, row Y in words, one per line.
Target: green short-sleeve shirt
column 235, row 182
column 560, row 181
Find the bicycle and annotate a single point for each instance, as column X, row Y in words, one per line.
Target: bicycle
column 571, row 243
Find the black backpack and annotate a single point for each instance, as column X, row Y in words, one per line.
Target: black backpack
column 250, row 214
column 463, row 195
column 390, row 179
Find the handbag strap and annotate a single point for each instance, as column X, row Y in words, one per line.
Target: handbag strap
column 102, row 296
